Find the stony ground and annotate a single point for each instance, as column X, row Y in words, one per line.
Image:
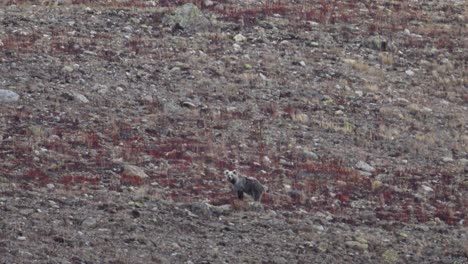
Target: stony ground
column 119, row 117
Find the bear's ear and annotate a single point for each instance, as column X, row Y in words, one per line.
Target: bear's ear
column 226, row 173
column 234, row 172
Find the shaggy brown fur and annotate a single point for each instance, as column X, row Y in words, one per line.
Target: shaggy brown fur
column 248, row 185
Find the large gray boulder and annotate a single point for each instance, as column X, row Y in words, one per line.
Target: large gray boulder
column 7, row 96
column 189, row 18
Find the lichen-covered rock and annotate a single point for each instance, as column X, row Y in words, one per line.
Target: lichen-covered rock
column 189, row 18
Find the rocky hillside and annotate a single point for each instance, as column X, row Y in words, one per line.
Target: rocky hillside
column 119, row 117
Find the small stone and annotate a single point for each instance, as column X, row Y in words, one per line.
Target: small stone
column 426, row 188
column 390, row 257
column 266, row 160
column 376, row 185
column 314, row 44
column 302, row 63
column 81, row 98
column 447, row 159
column 403, row 235
column 409, row 72
column 319, row 228
column 67, row 69
column 21, row 238
column 208, row 3
column 131, row 170
column 188, row 104
column 201, row 209
column 361, row 165
column 89, row 222
column 7, row 96
column 339, row 113
column 248, row 66
column 135, row 213
column 356, row 245
column 322, row 247
column 402, row 101
column 237, row 47
column 50, row 186
column 359, row 93
column 285, row 162
column 310, row 155
column 239, row 38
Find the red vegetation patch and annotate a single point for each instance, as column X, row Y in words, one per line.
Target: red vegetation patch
column 71, row 180
column 36, row 175
column 130, row 180
column 19, row 42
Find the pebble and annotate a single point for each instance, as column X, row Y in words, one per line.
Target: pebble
column 310, row 155
column 339, row 113
column 447, row 159
column 81, row 98
column 356, row 245
column 427, row 188
column 67, row 69
column 266, row 160
column 131, row 170
column 239, row 38
column 409, row 72
column 236, row 47
column 364, row 166
column 21, row 238
column 88, row 222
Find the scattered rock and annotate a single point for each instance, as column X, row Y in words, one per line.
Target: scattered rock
column 310, row 155
column 409, row 72
column 339, row 112
column 239, row 38
column 7, row 96
column 89, row 222
column 201, row 209
column 356, row 245
column 266, row 160
column 447, row 159
column 361, row 165
column 188, row 104
column 67, row 69
column 81, row 98
column 390, row 257
column 376, row 185
column 426, row 188
column 135, row 213
column 131, row 170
